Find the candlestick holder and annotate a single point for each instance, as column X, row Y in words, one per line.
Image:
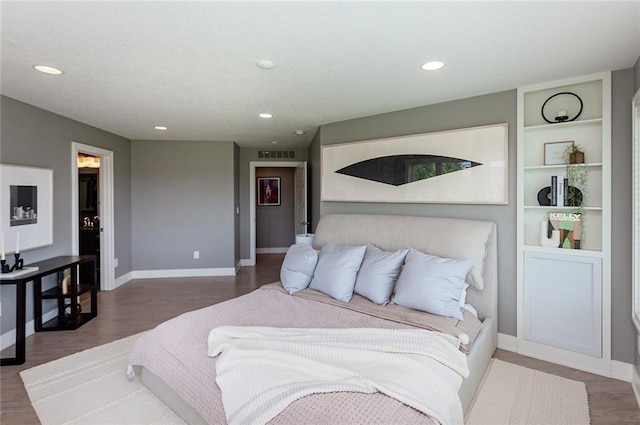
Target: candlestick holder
column 5, row 267
column 19, row 264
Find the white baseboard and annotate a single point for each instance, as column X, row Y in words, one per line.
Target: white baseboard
column 622, row 371
column 247, row 262
column 8, row 339
column 122, row 280
column 277, row 250
column 508, row 342
column 616, row 369
column 157, row 274
column 238, row 266
column 635, row 384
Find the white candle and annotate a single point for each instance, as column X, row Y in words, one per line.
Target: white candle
column 2, row 257
column 562, row 114
column 17, row 242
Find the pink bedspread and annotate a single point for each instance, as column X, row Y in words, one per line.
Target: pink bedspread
column 176, row 351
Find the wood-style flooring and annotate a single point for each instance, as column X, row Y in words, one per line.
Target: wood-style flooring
column 142, row 304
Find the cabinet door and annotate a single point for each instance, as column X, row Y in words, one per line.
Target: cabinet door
column 563, row 301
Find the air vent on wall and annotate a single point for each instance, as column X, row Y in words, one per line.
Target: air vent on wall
column 277, row 154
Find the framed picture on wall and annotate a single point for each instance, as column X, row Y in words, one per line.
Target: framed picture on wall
column 26, row 197
column 268, row 190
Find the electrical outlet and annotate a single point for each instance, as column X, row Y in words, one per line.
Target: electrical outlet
column 115, row 263
column 196, row 254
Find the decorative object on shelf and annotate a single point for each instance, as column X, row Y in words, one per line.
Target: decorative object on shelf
column 574, row 154
column 269, row 191
column 562, row 116
column 573, row 196
column 548, row 239
column 570, row 226
column 544, row 196
column 555, row 152
column 67, row 312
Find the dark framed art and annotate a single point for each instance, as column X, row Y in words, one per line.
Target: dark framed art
column 268, row 190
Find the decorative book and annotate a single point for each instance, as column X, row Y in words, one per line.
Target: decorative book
column 570, row 227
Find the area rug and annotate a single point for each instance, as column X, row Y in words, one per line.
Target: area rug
column 515, row 395
column 91, row 387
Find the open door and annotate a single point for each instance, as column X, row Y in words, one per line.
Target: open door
column 302, row 223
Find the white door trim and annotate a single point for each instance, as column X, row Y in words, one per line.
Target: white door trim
column 252, row 200
column 107, row 280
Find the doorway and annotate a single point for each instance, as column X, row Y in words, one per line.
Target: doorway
column 89, row 212
column 102, row 233
column 300, row 222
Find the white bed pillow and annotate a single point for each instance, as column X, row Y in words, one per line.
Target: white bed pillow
column 378, row 273
column 337, row 268
column 432, row 284
column 298, row 267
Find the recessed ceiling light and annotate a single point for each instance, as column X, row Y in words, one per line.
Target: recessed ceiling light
column 265, row 64
column 160, row 127
column 274, row 142
column 48, row 69
column 265, row 115
column 432, row 66
column 299, row 132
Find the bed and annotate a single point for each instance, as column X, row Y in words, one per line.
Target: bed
column 172, row 361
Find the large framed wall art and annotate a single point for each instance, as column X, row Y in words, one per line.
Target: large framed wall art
column 464, row 166
column 26, row 199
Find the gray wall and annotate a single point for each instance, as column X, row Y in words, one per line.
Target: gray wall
column 314, row 180
column 489, row 109
column 481, row 110
column 183, row 201
column 275, row 223
column 247, row 155
column 35, row 137
column 236, row 203
column 622, row 341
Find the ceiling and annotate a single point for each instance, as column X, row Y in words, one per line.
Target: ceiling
column 192, row 66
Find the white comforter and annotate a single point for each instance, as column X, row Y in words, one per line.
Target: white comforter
column 262, row 370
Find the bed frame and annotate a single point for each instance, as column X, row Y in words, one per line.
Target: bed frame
column 448, row 237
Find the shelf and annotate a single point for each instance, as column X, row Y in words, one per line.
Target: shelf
column 56, row 324
column 561, row 166
column 562, row 251
column 538, row 207
column 55, row 292
column 556, row 126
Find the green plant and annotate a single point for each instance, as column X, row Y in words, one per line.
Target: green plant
column 577, row 174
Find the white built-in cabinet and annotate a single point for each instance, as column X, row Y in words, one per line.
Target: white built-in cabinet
column 564, row 295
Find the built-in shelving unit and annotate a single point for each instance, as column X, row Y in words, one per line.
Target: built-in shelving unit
column 564, row 295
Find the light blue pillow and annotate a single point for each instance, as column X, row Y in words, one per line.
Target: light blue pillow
column 378, row 273
column 432, row 284
column 337, row 268
column 298, row 267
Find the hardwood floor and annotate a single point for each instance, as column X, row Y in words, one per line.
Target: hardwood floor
column 142, row 304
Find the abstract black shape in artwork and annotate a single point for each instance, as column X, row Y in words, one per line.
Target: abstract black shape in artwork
column 397, row 170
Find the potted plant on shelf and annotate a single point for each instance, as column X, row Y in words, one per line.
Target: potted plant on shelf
column 574, row 154
column 577, row 179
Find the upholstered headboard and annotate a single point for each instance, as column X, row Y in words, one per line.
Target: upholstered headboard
column 445, row 237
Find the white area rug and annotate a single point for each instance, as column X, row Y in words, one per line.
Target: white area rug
column 91, row 387
column 515, row 395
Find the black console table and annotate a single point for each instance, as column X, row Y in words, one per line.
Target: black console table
column 69, row 311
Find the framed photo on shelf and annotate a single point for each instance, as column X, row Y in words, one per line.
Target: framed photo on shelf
column 554, row 152
column 269, row 191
